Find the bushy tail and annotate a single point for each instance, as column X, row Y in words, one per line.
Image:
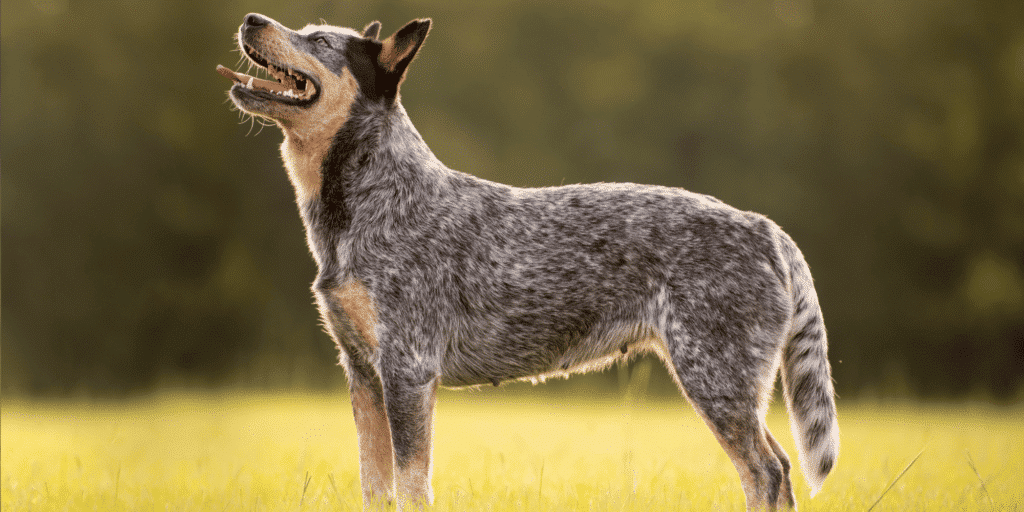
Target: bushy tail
column 807, row 377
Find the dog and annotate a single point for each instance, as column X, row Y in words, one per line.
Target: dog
column 431, row 277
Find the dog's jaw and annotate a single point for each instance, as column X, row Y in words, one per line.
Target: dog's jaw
column 291, row 86
column 293, row 81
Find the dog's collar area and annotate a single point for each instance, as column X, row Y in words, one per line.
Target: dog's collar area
column 288, row 84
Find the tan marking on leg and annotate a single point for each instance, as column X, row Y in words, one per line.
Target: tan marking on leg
column 376, row 457
column 412, row 482
column 362, row 312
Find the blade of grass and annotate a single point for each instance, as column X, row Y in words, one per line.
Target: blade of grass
column 896, row 480
column 540, row 484
column 977, row 474
column 335, row 487
column 304, row 487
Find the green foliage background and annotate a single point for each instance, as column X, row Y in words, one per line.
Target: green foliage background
column 151, row 240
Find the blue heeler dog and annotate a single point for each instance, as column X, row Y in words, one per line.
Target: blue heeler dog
column 429, row 276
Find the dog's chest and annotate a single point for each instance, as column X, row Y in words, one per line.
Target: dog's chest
column 303, row 161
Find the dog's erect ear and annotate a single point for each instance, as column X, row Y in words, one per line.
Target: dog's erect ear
column 379, row 66
column 399, row 49
column 372, row 31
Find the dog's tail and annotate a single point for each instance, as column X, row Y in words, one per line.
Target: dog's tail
column 807, row 376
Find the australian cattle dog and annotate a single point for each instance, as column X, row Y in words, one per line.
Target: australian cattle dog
column 432, row 277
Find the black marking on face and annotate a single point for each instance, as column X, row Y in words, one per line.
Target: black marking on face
column 378, row 77
column 359, row 54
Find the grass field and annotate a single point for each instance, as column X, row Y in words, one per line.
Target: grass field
column 493, row 451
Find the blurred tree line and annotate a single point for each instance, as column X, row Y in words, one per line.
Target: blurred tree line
column 150, row 240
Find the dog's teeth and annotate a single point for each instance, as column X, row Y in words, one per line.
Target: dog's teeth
column 249, row 85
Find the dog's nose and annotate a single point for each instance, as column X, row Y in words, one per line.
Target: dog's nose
column 256, row 20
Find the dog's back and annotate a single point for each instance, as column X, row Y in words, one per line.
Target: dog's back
column 525, row 281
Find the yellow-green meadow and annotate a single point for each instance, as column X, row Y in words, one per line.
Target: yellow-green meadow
column 492, row 451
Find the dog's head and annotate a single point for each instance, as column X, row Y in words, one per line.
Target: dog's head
column 317, row 73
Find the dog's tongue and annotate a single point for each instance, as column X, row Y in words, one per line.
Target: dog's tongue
column 251, row 81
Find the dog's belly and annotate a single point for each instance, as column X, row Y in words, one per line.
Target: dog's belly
column 493, row 362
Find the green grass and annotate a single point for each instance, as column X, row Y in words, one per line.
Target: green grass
column 492, row 452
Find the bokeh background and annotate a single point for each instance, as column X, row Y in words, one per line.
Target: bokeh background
column 151, row 240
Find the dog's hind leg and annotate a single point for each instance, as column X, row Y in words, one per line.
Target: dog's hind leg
column 409, row 396
column 376, row 459
column 718, row 378
column 764, row 478
column 786, row 492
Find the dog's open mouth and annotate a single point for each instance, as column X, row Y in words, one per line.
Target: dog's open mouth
column 289, row 85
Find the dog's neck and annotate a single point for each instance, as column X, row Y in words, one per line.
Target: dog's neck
column 374, row 174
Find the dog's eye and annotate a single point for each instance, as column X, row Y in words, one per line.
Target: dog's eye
column 322, row 41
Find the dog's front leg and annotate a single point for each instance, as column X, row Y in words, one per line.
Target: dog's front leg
column 409, row 397
column 376, row 458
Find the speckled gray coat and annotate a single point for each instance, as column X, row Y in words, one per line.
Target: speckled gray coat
column 463, row 281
